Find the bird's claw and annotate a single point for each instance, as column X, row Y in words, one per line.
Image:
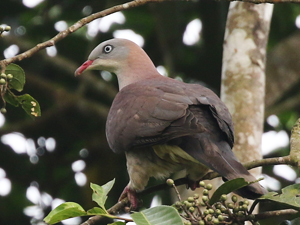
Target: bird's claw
column 132, row 197
column 193, row 184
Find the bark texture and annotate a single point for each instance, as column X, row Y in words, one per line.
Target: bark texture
column 295, row 143
column 243, row 74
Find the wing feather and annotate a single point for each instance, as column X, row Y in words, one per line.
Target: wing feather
column 157, row 111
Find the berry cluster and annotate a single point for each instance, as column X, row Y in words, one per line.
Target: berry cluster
column 4, row 29
column 4, row 80
column 197, row 210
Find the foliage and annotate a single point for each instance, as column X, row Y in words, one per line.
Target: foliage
column 161, row 215
column 14, row 79
column 75, row 109
column 289, row 195
column 209, row 210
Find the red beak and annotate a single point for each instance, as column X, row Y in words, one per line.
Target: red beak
column 83, row 67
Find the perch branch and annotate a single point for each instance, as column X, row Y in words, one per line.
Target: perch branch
column 270, row 161
column 282, row 212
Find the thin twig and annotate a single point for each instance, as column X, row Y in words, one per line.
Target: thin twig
column 61, row 35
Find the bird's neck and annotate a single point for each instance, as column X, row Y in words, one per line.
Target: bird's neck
column 138, row 69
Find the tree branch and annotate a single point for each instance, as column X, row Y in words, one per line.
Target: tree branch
column 282, row 212
column 61, row 35
column 270, row 161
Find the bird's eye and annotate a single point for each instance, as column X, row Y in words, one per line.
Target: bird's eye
column 107, row 49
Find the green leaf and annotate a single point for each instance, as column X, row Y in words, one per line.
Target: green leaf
column 228, row 187
column 117, row 223
column 18, row 79
column 160, row 215
column 64, row 211
column 11, row 99
column 100, row 192
column 290, row 196
column 96, row 211
column 30, row 105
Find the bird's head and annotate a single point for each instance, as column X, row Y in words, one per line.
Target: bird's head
column 122, row 57
column 110, row 55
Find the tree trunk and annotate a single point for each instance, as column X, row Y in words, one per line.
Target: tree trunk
column 243, row 75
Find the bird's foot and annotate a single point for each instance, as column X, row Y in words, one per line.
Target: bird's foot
column 193, row 184
column 132, row 197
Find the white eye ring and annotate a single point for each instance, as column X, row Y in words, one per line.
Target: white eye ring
column 107, row 49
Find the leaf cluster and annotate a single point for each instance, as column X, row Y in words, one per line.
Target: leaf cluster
column 208, row 210
column 14, row 79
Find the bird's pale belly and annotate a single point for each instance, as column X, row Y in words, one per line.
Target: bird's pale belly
column 160, row 161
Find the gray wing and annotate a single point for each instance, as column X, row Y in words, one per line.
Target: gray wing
column 145, row 114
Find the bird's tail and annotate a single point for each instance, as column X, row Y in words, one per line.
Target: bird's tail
column 219, row 157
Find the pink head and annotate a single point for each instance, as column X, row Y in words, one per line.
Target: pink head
column 122, row 57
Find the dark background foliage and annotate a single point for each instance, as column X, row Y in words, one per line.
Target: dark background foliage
column 74, row 109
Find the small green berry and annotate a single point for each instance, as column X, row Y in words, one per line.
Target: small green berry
column 196, row 196
column 189, row 205
column 209, row 218
column 202, row 184
column 202, row 204
column 245, row 207
column 3, row 110
column 178, row 204
column 192, row 209
column 209, row 186
column 205, row 192
column 10, row 76
column 191, row 199
column 220, row 217
column 2, row 81
column 236, row 209
column 204, row 198
column 223, row 198
column 3, row 75
column 201, row 222
column 223, row 210
column 211, row 211
column 206, row 212
column 7, row 28
column 246, row 202
column 216, row 221
column 218, row 206
column 230, row 205
column 218, row 212
column 240, row 213
column 187, row 223
column 234, row 198
column 170, row 182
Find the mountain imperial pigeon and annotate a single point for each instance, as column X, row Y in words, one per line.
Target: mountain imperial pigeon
column 165, row 125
